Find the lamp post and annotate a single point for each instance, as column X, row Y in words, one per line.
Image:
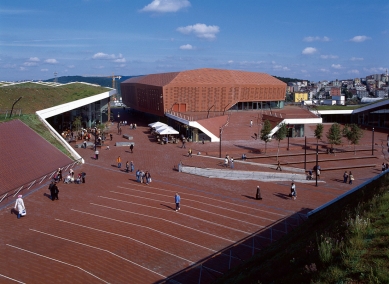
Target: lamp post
column 220, row 142
column 372, row 142
column 317, row 159
column 95, row 138
column 288, row 136
column 14, row 105
column 305, row 154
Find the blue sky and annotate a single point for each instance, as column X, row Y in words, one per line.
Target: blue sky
column 305, row 39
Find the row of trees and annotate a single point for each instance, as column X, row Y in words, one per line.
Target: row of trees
column 351, row 132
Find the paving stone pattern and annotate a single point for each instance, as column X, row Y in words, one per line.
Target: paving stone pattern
column 114, row 230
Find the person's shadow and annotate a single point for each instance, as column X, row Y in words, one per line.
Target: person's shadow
column 14, row 211
column 282, row 195
column 167, row 206
column 47, row 195
column 249, row 197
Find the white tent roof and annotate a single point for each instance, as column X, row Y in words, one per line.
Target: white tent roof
column 156, row 124
column 167, row 131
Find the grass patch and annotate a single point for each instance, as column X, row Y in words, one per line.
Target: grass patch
column 348, row 107
column 37, row 97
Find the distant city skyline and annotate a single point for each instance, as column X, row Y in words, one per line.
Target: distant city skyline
column 312, row 40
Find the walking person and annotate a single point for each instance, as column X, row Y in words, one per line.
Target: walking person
column 183, row 142
column 97, row 154
column 119, row 161
column 251, row 123
column 132, row 148
column 19, row 204
column 293, row 192
column 131, row 166
column 351, row 178
column 127, row 167
column 59, row 174
column 110, row 136
column 84, row 143
column 148, row 177
column 345, row 177
column 137, row 175
column 383, row 167
column 177, row 200
column 54, row 191
column 226, row 162
column 190, row 152
column 279, row 166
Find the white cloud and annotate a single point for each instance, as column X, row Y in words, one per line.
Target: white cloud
column 328, row 56
column 304, row 71
column 34, row 59
column 29, row 63
column 360, row 38
column 120, row 60
column 186, row 47
column 336, row 66
column 44, row 70
column 230, row 61
column 324, row 70
column 280, row 67
column 71, row 66
column 356, row 59
column 354, row 71
column 23, row 68
column 101, row 55
column 51, row 61
column 164, row 6
column 316, row 38
column 309, row 50
column 200, row 30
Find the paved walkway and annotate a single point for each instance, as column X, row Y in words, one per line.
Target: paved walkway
column 114, row 230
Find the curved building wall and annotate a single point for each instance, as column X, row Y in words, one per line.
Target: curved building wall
column 200, row 90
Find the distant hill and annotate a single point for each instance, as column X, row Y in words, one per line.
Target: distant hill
column 102, row 81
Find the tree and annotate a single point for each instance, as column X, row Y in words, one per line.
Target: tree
column 265, row 133
column 77, row 123
column 353, row 134
column 280, row 135
column 319, row 131
column 334, row 135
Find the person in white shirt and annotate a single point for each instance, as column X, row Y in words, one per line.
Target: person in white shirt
column 19, row 205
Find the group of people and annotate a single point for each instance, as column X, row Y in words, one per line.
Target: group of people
column 143, row 177
column 384, row 167
column 348, row 177
column 228, row 162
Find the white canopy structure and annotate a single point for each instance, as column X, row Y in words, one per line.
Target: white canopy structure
column 167, row 131
column 157, row 124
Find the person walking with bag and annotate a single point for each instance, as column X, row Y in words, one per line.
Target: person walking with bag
column 19, row 204
column 293, row 192
column 351, row 178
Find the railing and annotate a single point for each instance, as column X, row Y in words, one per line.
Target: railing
column 7, row 112
column 197, row 116
column 7, row 195
column 275, row 114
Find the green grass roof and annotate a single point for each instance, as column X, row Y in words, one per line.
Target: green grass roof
column 37, row 97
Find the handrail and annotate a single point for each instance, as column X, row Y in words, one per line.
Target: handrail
column 48, row 176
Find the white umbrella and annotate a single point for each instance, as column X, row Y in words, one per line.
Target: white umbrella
column 167, row 131
column 157, row 124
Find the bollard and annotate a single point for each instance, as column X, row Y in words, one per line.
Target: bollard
column 258, row 196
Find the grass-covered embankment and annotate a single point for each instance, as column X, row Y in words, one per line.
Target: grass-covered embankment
column 348, row 242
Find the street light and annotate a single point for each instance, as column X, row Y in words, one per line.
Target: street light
column 372, row 142
column 14, row 105
column 288, row 135
column 317, row 159
column 220, row 142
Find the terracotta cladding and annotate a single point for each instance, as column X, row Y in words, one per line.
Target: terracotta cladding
column 204, row 89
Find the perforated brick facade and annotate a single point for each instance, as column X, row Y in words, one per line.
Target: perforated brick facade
column 199, row 90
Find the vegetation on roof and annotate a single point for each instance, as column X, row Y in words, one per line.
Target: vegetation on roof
column 37, row 97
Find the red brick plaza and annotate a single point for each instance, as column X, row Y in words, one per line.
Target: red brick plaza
column 114, row 230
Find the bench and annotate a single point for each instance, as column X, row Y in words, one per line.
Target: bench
column 124, row 144
column 127, row 136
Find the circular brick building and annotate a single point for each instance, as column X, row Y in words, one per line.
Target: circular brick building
column 203, row 90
